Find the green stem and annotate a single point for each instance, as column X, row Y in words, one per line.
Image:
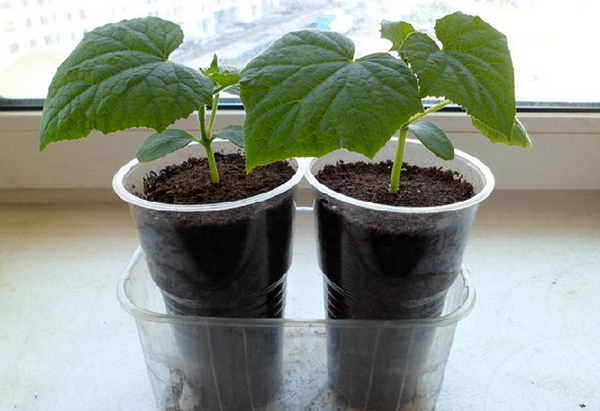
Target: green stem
column 212, row 164
column 213, row 114
column 397, row 167
column 219, row 89
column 432, row 109
column 210, row 155
column 202, row 121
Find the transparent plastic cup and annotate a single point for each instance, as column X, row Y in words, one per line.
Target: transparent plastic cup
column 304, row 349
column 226, row 259
column 384, row 262
column 394, row 246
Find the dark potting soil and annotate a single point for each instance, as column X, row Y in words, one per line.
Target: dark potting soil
column 419, row 186
column 190, row 182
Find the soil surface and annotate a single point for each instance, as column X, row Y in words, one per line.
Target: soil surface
column 190, row 183
column 419, row 187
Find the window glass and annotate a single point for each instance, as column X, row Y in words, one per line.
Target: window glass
column 550, row 40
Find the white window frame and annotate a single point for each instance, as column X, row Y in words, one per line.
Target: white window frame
column 565, row 154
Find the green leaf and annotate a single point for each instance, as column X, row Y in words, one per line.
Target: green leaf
column 235, row 134
column 234, row 90
column 474, row 69
column 433, row 138
column 519, row 136
column 306, row 96
column 119, row 77
column 161, row 144
column 396, row 32
column 222, row 76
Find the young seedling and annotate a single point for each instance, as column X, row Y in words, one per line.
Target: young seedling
column 306, row 95
column 120, row 77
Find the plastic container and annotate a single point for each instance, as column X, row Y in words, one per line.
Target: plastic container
column 405, row 256
column 226, row 259
column 304, row 347
column 223, row 259
column 389, row 263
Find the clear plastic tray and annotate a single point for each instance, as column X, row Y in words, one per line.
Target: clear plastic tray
column 291, row 363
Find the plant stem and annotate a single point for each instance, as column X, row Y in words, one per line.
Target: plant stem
column 432, row 109
column 205, row 141
column 397, row 167
column 212, row 164
column 213, row 113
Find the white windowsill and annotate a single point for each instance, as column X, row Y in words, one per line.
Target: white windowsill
column 531, row 339
column 564, row 155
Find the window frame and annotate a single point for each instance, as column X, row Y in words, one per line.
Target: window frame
column 234, row 103
column 26, row 104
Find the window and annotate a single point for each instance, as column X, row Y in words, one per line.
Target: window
column 548, row 39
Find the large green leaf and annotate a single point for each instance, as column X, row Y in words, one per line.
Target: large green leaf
column 473, row 69
column 306, row 96
column 119, row 77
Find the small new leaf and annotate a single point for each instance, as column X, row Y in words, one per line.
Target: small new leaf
column 235, row 134
column 433, row 138
column 223, row 76
column 161, row 144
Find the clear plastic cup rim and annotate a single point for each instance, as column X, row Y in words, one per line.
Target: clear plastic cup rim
column 482, row 170
column 118, row 184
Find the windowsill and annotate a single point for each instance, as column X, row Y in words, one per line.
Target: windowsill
column 531, row 339
column 563, row 156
